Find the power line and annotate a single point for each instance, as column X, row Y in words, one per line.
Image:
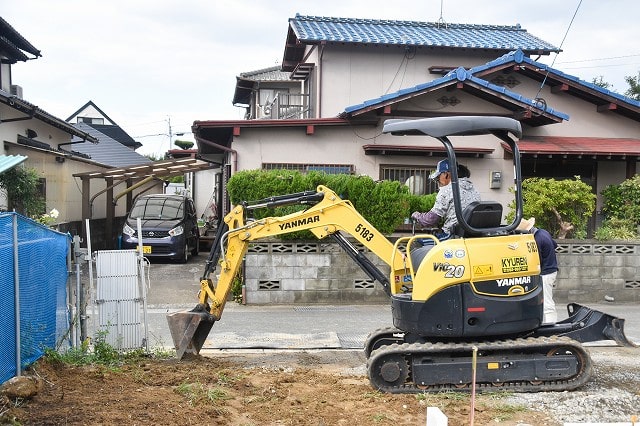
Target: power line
column 600, row 66
column 600, row 59
column 559, row 48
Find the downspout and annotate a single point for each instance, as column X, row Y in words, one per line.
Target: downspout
column 319, row 113
column 233, row 152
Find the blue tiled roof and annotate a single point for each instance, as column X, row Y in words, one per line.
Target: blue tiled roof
column 459, row 74
column 413, row 33
column 519, row 57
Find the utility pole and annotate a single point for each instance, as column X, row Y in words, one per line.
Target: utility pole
column 170, row 132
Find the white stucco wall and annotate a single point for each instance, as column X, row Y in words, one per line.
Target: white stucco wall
column 349, row 75
column 344, row 145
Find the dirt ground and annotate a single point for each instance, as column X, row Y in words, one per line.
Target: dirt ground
column 277, row 388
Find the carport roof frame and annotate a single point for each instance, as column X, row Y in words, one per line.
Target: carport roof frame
column 160, row 169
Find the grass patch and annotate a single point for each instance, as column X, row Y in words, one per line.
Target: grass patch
column 197, row 393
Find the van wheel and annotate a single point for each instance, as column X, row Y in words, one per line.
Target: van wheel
column 185, row 253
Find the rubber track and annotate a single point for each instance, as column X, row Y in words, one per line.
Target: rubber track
column 377, row 334
column 542, row 345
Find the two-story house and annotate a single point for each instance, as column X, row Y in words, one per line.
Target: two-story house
column 356, row 73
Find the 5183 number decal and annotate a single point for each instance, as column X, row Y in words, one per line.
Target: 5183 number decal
column 364, row 232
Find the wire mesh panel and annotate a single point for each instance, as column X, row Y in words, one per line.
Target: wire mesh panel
column 40, row 283
column 118, row 298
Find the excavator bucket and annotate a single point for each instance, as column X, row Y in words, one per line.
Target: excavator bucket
column 588, row 325
column 596, row 325
column 189, row 329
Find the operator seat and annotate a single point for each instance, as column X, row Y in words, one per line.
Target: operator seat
column 481, row 215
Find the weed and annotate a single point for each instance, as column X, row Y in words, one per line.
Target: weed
column 377, row 418
column 373, row 395
column 197, row 393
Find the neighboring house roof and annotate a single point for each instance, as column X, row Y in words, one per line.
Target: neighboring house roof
column 578, row 146
column 90, row 104
column 305, row 30
column 110, row 129
column 477, row 86
column 560, row 82
column 603, row 98
column 107, row 151
column 13, row 45
column 27, row 111
column 247, row 81
column 116, row 132
column 266, row 74
column 8, row 162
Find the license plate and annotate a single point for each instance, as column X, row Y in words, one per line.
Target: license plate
column 146, row 249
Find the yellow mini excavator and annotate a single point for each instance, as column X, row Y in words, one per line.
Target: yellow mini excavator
column 479, row 292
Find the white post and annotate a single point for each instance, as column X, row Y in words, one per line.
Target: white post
column 92, row 294
column 435, row 417
column 143, row 284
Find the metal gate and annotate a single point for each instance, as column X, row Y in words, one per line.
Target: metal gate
column 119, row 298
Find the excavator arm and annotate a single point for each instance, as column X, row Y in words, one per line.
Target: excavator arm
column 327, row 215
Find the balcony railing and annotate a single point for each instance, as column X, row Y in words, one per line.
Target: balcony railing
column 286, row 106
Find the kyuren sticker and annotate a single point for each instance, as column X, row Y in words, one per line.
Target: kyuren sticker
column 514, row 264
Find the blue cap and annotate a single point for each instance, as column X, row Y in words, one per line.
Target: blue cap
column 442, row 167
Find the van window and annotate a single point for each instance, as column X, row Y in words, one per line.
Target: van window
column 158, row 208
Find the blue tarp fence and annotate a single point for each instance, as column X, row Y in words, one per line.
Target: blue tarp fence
column 35, row 297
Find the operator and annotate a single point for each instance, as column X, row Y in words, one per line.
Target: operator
column 443, row 208
column 548, row 266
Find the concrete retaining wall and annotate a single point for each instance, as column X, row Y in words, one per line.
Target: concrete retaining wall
column 321, row 273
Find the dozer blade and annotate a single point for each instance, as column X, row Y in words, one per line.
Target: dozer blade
column 588, row 325
column 189, row 329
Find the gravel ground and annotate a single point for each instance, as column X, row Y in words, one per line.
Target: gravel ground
column 612, row 395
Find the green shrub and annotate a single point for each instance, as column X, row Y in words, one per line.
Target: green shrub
column 616, row 229
column 572, row 199
column 384, row 204
column 20, row 185
column 622, row 201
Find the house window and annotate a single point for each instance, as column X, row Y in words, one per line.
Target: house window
column 90, row 120
column 415, row 177
column 330, row 169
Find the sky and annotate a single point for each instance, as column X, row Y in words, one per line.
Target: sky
column 156, row 66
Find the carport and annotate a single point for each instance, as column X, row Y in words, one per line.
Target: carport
column 144, row 176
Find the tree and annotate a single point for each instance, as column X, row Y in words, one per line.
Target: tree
column 599, row 81
column 634, row 87
column 562, row 207
column 21, row 187
column 183, row 144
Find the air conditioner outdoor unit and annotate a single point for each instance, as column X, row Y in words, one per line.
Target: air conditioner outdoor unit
column 16, row 90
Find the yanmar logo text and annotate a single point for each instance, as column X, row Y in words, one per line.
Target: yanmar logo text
column 299, row 222
column 514, row 264
column 508, row 282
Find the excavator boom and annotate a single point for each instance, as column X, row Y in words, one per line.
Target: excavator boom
column 326, row 215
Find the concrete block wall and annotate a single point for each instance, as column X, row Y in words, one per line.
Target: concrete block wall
column 308, row 273
column 278, row 272
column 591, row 270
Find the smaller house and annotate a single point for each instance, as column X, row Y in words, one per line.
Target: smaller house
column 270, row 93
column 93, row 116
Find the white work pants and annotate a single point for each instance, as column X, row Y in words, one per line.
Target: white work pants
column 548, row 284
